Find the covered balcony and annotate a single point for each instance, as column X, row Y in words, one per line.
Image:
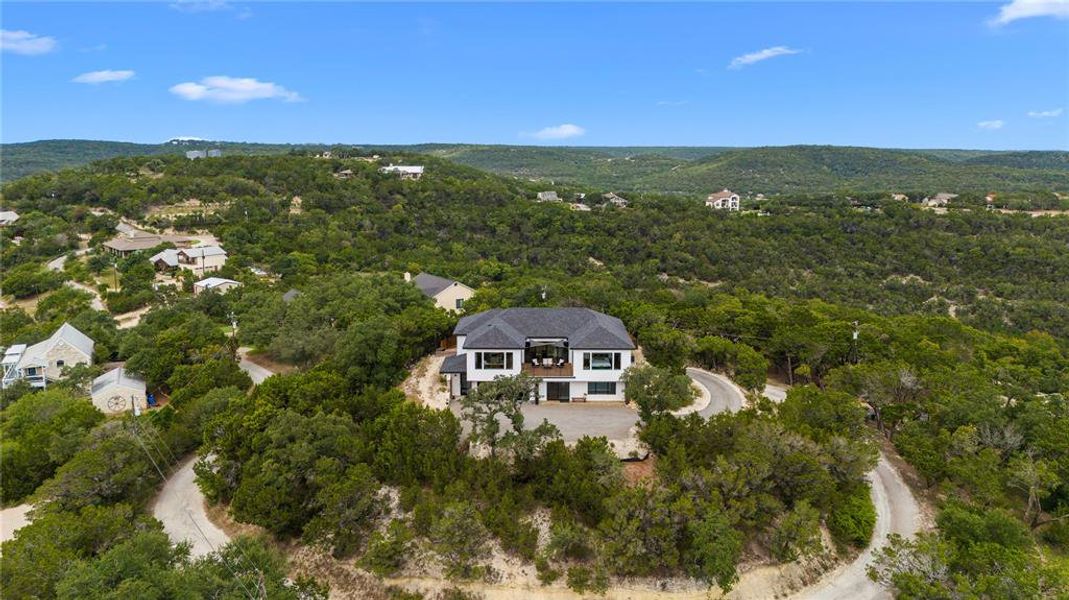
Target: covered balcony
column 547, row 358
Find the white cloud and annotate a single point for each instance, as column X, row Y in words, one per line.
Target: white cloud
column 754, row 57
column 1045, row 114
column 233, row 90
column 1027, row 9
column 991, row 125
column 105, row 76
column 197, row 6
column 24, row 42
column 559, row 132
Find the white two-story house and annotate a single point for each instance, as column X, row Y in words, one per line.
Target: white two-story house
column 577, row 354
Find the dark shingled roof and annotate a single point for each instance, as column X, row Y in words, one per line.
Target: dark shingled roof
column 510, row 328
column 454, row 364
column 431, row 285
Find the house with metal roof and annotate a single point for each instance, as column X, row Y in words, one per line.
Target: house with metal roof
column 577, row 354
column 448, row 294
column 44, row 362
column 218, row 284
column 119, row 391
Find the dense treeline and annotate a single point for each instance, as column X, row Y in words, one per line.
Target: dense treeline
column 1003, row 273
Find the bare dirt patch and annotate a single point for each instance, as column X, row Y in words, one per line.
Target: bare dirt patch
column 271, row 365
column 424, row 385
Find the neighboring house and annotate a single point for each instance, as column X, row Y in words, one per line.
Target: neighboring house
column 344, row 174
column 215, row 153
column 165, row 260
column 940, row 199
column 576, row 353
column 44, row 361
column 295, row 205
column 723, row 200
column 8, row 217
column 899, row 197
column 579, row 206
column 549, row 196
column 446, row 293
column 125, row 245
column 405, row 171
column 202, row 259
column 195, row 154
column 617, row 201
column 118, row 391
column 218, row 284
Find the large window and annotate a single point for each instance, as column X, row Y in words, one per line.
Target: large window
column 601, row 387
column 460, row 303
column 601, row 361
column 493, row 360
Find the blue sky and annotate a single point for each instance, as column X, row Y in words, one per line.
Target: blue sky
column 908, row 74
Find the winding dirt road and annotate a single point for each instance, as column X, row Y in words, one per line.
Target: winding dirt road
column 897, row 510
column 180, row 507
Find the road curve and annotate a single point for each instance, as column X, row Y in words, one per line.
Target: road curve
column 724, row 395
column 180, row 507
column 897, row 510
column 257, row 373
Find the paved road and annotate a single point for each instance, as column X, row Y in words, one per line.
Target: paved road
column 257, row 373
column 897, row 511
column 57, row 264
column 724, row 395
column 180, row 507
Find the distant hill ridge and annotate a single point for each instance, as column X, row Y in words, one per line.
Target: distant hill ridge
column 685, row 169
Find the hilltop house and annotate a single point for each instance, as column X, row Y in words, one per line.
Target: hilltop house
column 940, row 199
column 723, row 200
column 617, row 201
column 44, row 361
column 218, row 284
column 549, row 196
column 405, row 171
column 446, row 293
column 576, row 353
column 8, row 217
column 117, row 391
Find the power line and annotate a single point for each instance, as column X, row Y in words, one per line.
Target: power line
column 163, row 478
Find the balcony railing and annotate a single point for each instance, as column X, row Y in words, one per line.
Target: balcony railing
column 564, row 370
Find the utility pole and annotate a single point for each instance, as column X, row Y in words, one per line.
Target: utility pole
column 853, row 343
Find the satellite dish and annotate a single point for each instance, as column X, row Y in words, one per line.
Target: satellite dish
column 116, row 404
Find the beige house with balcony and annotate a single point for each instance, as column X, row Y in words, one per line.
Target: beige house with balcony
column 43, row 362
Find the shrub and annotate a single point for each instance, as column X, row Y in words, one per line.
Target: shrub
column 386, row 551
column 852, row 518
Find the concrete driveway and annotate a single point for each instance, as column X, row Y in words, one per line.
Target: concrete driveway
column 612, row 420
column 724, row 395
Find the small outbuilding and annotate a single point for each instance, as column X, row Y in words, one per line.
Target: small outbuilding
column 118, row 391
column 218, row 284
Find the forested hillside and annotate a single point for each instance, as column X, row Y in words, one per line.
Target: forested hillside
column 655, row 169
column 961, row 356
